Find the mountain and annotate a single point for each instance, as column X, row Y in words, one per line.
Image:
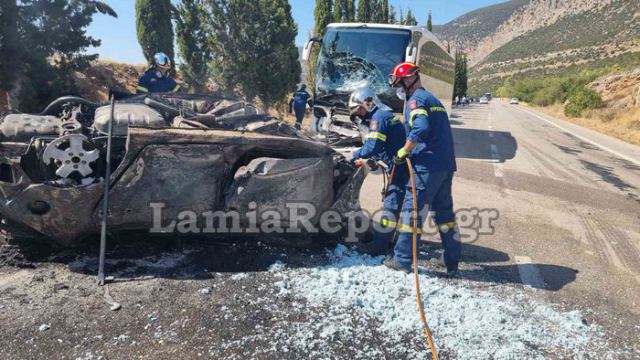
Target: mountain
column 542, row 37
column 468, row 30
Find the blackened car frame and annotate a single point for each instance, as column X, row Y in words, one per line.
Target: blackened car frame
column 188, row 152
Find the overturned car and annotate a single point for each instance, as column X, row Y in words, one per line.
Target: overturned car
column 179, row 164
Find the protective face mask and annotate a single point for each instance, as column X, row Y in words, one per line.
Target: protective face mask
column 401, row 93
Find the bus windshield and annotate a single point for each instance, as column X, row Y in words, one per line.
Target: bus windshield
column 356, row 57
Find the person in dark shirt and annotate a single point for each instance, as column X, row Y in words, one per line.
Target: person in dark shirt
column 298, row 104
column 430, row 147
column 386, row 136
column 157, row 79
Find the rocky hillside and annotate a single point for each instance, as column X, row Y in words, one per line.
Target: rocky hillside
column 94, row 82
column 476, row 28
column 620, row 91
column 542, row 37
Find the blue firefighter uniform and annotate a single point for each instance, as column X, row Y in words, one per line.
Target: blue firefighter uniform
column 299, row 103
column 434, row 163
column 387, row 135
column 152, row 81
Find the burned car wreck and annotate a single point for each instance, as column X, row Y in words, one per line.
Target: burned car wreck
column 194, row 153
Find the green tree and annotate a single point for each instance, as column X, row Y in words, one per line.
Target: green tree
column 364, row 11
column 375, row 14
column 322, row 16
column 429, row 22
column 340, row 11
column 254, row 46
column 54, row 44
column 154, row 28
column 10, row 47
column 410, row 19
column 461, row 79
column 401, row 20
column 193, row 49
column 393, row 16
column 384, row 11
column 350, row 10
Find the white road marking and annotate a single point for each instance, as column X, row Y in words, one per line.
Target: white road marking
column 582, row 137
column 497, row 165
column 529, row 273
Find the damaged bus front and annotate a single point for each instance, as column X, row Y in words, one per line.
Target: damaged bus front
column 358, row 55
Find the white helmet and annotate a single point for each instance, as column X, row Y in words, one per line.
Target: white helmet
column 364, row 97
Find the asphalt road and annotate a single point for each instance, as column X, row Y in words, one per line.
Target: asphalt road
column 569, row 206
column 555, row 276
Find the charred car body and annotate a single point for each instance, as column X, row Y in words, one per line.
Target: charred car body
column 186, row 152
column 354, row 55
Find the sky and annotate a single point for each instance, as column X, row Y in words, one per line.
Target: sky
column 119, row 40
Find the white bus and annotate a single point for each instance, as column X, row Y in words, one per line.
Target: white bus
column 353, row 55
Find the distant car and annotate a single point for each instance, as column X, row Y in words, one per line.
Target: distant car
column 484, row 100
column 514, row 101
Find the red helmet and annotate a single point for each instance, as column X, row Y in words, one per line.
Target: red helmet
column 401, row 71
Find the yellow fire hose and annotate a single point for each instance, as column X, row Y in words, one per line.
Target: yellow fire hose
column 427, row 332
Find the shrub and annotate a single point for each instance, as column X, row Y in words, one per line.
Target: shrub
column 581, row 99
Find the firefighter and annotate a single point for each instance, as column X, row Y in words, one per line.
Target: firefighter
column 386, row 137
column 299, row 104
column 430, row 147
column 157, row 79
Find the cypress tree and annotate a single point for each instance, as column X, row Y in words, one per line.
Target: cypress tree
column 280, row 68
column 337, row 11
column 461, row 78
column 429, row 22
column 393, row 16
column 322, row 16
column 364, row 11
column 192, row 43
column 384, row 12
column 350, row 10
column 410, row 19
column 465, row 74
column 154, row 28
column 402, row 19
column 254, row 47
column 340, row 11
column 375, row 15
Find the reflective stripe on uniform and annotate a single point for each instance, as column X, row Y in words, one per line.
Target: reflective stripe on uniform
column 142, row 88
column 450, row 225
column 416, row 112
column 377, row 135
column 437, row 108
column 447, row 226
column 400, row 227
column 175, row 89
column 403, row 228
column 395, row 119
